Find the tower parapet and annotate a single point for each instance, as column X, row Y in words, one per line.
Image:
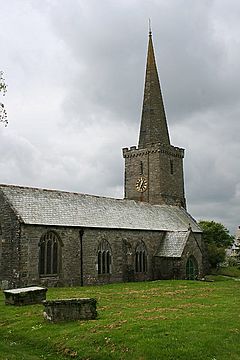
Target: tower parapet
column 173, row 151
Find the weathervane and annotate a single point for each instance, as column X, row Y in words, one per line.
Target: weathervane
column 149, row 27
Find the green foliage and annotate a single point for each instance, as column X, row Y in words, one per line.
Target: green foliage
column 216, row 255
column 3, row 90
column 217, row 239
column 216, row 233
column 233, row 261
column 150, row 320
column 230, row 271
column 3, row 86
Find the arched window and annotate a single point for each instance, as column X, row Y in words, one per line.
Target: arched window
column 104, row 258
column 49, row 254
column 141, row 258
column 191, row 268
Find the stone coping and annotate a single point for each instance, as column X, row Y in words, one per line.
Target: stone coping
column 69, row 301
column 24, row 290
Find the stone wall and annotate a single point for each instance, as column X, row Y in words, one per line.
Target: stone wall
column 122, row 242
column 19, row 265
column 194, row 247
column 9, row 246
column 168, row 268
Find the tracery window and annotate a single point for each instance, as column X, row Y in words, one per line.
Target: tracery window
column 141, row 258
column 49, row 254
column 104, row 258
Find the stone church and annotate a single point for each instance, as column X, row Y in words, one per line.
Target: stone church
column 59, row 238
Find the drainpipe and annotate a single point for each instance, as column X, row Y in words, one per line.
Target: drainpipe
column 81, row 232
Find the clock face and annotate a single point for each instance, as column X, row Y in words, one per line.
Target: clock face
column 141, row 184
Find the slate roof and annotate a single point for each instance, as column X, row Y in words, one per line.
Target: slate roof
column 61, row 208
column 173, row 244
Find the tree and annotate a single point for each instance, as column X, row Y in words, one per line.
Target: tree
column 3, row 90
column 217, row 239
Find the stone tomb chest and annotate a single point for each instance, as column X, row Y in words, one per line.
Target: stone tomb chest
column 25, row 296
column 70, row 309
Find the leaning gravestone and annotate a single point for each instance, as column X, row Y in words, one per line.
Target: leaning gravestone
column 25, row 296
column 70, row 309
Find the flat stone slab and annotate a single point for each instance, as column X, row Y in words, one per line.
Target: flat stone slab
column 70, row 309
column 25, row 296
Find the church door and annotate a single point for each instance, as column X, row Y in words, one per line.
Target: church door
column 191, row 269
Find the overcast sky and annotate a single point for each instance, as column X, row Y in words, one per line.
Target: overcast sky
column 75, row 73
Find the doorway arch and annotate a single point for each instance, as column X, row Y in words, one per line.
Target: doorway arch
column 191, row 268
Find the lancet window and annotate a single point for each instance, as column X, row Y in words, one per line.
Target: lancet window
column 104, row 258
column 141, row 258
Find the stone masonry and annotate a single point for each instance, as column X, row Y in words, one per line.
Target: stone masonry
column 69, row 274
column 162, row 166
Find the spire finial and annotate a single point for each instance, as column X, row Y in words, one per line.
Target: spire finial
column 149, row 27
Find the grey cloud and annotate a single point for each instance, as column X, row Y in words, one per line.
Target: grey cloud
column 75, row 71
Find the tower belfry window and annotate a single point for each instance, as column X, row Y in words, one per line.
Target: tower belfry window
column 171, row 167
column 141, row 168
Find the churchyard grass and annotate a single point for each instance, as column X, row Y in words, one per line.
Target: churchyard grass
column 150, row 320
column 232, row 271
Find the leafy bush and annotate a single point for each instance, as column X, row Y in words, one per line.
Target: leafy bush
column 217, row 239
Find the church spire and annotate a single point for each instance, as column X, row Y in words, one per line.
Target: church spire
column 154, row 128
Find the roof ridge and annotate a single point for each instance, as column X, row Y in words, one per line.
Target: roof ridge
column 82, row 194
column 54, row 191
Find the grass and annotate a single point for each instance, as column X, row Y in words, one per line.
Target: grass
column 232, row 271
column 150, row 320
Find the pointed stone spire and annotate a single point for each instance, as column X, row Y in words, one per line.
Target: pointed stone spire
column 153, row 124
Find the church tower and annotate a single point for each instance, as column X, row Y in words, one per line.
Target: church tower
column 154, row 169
